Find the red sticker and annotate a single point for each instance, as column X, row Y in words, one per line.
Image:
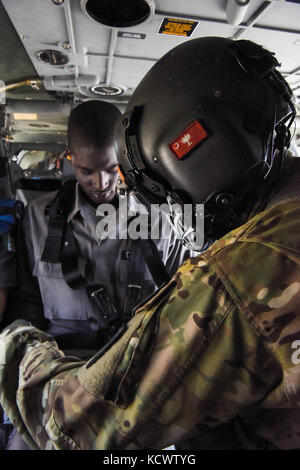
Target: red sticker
column 191, row 136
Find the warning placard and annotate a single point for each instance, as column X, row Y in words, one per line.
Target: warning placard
column 178, row 27
column 127, row 34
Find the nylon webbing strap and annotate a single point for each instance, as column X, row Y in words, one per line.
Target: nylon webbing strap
column 76, row 280
column 58, row 213
column 134, row 288
column 154, row 262
column 151, row 254
column 53, row 243
column 69, row 261
column 60, row 246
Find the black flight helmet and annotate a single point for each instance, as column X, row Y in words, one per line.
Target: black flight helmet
column 204, row 127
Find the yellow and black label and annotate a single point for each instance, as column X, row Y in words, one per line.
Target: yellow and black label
column 177, row 27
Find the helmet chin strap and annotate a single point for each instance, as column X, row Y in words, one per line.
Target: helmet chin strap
column 188, row 226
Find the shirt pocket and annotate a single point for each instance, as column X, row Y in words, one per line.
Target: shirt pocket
column 59, row 300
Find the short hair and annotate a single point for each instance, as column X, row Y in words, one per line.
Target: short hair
column 92, row 123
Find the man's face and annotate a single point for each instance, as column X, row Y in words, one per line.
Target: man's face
column 96, row 170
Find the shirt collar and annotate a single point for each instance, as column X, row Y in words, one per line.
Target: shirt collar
column 82, row 206
column 86, row 210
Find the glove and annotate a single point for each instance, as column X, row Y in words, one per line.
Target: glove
column 10, row 212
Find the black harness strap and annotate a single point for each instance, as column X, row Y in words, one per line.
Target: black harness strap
column 60, row 246
column 134, row 288
column 58, row 212
column 154, row 262
column 76, row 280
column 151, row 254
column 69, row 261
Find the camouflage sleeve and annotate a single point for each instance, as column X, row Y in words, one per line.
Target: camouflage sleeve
column 19, row 343
column 215, row 343
column 175, row 372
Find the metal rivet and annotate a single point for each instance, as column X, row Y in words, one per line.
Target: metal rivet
column 125, row 122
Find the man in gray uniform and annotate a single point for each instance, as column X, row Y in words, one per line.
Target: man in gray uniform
column 83, row 306
column 75, row 283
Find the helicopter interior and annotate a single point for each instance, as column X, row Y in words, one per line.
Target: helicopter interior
column 57, row 53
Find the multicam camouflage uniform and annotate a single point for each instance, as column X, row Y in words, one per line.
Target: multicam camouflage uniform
column 209, row 361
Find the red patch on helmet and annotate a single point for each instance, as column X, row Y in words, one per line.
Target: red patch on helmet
column 185, row 142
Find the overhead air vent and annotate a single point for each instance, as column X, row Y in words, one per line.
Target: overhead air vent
column 106, row 90
column 52, row 57
column 119, row 13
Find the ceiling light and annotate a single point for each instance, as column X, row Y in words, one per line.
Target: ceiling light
column 25, row 116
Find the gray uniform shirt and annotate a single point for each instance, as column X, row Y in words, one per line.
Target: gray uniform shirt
column 111, row 262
